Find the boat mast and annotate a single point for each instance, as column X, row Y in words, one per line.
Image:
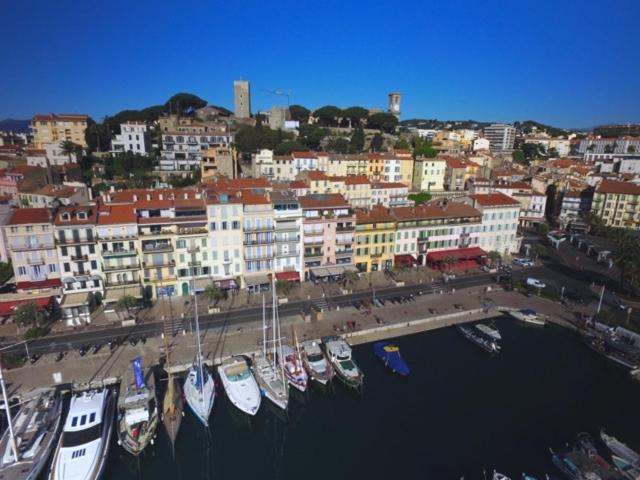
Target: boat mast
column 264, row 327
column 12, row 437
column 273, row 321
column 195, row 310
column 276, row 320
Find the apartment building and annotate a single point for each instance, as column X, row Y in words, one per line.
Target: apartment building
column 304, row 161
column 225, row 218
column 500, row 214
column 575, row 206
column 389, row 194
column 262, row 165
column 119, row 247
column 50, row 154
column 455, row 173
column 288, row 231
column 219, row 161
column 390, row 167
column 192, row 252
column 133, row 137
column 30, row 240
column 79, row 262
column 259, row 241
column 616, row 203
column 609, row 145
column 532, row 203
column 374, row 236
column 357, row 191
column 501, row 138
column 329, row 228
column 429, row 174
column 444, row 227
column 57, row 128
column 47, row 196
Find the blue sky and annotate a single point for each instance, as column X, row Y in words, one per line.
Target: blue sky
column 572, row 64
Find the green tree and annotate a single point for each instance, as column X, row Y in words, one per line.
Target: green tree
column 328, row 116
column 573, row 149
column 532, row 151
column 283, row 288
column 425, row 150
column 450, row 261
column 377, row 142
column 609, row 148
column 126, row 303
column 494, row 257
column 553, row 152
column 98, row 136
column 537, row 251
column 356, row 145
column 28, row 315
column 625, row 256
column 419, row 198
column 518, row 157
column 631, row 149
column 354, row 116
column 299, row 113
column 402, row 143
column 338, row 145
column 543, row 228
column 285, row 148
column 213, row 294
column 385, row 122
column 6, row 271
column 349, row 277
column 184, row 103
column 311, row 136
column 69, row 148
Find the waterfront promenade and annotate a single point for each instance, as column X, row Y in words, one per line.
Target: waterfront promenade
column 428, row 312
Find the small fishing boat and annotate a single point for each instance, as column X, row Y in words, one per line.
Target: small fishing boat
column 172, row 408
column 240, row 385
column 315, row 363
column 475, row 336
column 137, row 411
column 527, row 315
column 293, row 368
column 613, row 349
column 86, row 436
column 390, row 356
column 583, row 462
column 489, row 330
column 25, row 447
column 624, row 458
column 338, row 352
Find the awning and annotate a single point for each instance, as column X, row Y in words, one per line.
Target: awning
column 331, row 271
column 114, row 294
column 259, row 279
column 50, row 283
column 75, row 300
column 457, row 253
column 404, row 260
column 226, row 284
column 291, row 276
column 9, row 307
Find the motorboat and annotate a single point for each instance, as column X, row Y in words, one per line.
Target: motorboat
column 339, row 354
column 137, row 411
column 86, row 436
column 489, row 330
column 240, row 385
column 499, row 476
column 315, row 363
column 624, row 458
column 390, row 356
column 527, row 315
column 484, row 341
column 612, row 348
column 26, row 446
column 199, row 386
column 293, row 368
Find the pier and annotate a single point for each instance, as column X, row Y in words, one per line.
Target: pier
column 428, row 312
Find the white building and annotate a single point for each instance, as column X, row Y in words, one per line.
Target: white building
column 183, row 151
column 389, row 194
column 500, row 215
column 609, row 145
column 304, row 161
column 501, row 137
column 560, row 145
column 480, row 144
column 133, row 137
column 262, row 164
column 532, row 203
column 289, row 251
column 224, row 220
column 51, row 153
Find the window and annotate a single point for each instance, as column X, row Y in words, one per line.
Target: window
column 212, row 226
column 235, row 225
column 225, row 225
column 203, row 242
column 96, row 283
column 66, row 267
column 52, row 268
column 63, row 251
column 181, row 244
column 22, row 270
column 94, row 265
column 92, row 249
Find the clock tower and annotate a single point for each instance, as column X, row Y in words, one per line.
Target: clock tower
column 394, row 104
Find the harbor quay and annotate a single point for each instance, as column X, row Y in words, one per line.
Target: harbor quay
column 428, row 312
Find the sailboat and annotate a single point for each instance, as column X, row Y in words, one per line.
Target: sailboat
column 137, row 411
column 268, row 372
column 172, row 401
column 291, row 363
column 199, row 387
column 26, row 445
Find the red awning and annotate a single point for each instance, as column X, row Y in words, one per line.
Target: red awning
column 51, row 283
column 457, row 253
column 9, row 308
column 291, row 276
column 405, row 260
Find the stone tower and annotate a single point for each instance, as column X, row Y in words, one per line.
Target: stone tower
column 394, row 104
column 242, row 98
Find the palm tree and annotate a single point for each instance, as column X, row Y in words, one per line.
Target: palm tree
column 625, row 256
column 213, row 293
column 68, row 148
column 27, row 315
column 450, row 261
column 126, row 302
column 349, row 277
column 537, row 251
column 283, row 287
column 631, row 149
column 494, row 257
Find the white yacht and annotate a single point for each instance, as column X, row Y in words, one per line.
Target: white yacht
column 83, row 447
column 527, row 315
column 317, row 366
column 137, row 411
column 34, row 429
column 489, row 330
column 626, row 459
column 240, row 385
column 339, row 353
column 199, row 387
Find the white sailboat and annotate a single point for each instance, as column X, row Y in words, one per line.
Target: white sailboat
column 199, row 387
column 240, row 385
column 26, row 444
column 266, row 368
column 84, row 444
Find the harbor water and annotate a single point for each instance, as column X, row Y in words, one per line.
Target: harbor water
column 460, row 412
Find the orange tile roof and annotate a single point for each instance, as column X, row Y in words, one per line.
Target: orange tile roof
column 298, row 184
column 114, row 214
column 389, row 185
column 434, row 210
column 57, row 191
column 616, row 187
column 316, row 175
column 496, row 199
column 250, row 198
column 25, row 216
column 89, row 210
column 454, row 162
column 356, row 180
column 323, row 200
column 304, row 155
column 69, row 117
column 376, row 214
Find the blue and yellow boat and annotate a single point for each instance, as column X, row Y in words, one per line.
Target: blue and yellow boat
column 390, row 356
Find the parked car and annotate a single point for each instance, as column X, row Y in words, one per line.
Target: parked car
column 536, row 283
column 523, row 262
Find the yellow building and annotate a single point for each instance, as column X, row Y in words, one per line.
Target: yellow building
column 218, row 161
column 54, row 129
column 429, row 174
column 617, row 204
column 374, row 236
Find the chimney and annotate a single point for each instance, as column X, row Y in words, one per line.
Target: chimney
column 160, row 196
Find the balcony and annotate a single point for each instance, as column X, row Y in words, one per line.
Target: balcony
column 163, row 263
column 118, row 253
column 35, row 260
column 21, row 247
column 348, row 251
column 157, row 247
column 263, row 228
column 286, row 228
column 74, row 241
column 156, row 233
column 193, row 231
column 79, row 258
column 121, row 283
column 161, row 280
column 118, row 236
column 258, row 242
column 344, row 241
column 348, row 228
column 312, row 254
column 296, row 239
column 114, row 267
column 262, row 256
column 290, row 253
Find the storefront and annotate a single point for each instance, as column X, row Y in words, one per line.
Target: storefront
column 458, row 258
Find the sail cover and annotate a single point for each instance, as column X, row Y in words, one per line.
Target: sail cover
column 198, row 379
column 137, row 372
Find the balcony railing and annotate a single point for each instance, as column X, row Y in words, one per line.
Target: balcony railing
column 344, row 241
column 35, row 260
column 118, row 253
column 262, row 256
column 157, row 247
column 20, row 247
column 113, row 267
column 118, row 236
column 348, row 228
column 163, row 263
column 192, row 231
column 258, row 242
column 156, row 233
column 112, row 284
column 79, row 258
column 344, row 252
column 74, row 241
column 263, row 228
column 290, row 253
column 312, row 254
column 163, row 279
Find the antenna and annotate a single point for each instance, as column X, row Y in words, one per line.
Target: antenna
column 280, row 93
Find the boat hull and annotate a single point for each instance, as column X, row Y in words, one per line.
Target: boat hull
column 244, row 394
column 487, row 346
column 270, row 382
column 200, row 400
column 172, row 408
